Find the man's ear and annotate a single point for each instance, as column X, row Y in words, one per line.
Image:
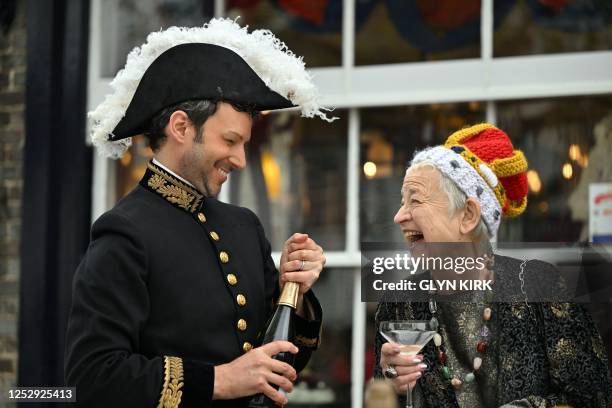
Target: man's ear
column 470, row 216
column 178, row 127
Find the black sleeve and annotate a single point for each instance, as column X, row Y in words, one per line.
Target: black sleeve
column 307, row 331
column 110, row 305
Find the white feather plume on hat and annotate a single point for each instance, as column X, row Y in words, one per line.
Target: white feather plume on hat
column 280, row 69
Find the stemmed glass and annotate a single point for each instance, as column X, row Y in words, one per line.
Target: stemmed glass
column 411, row 335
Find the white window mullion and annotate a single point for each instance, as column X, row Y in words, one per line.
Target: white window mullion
column 491, row 112
column 352, row 247
column 358, row 343
column 219, row 10
column 486, row 52
column 486, row 37
column 352, row 188
column 348, row 34
column 100, row 191
column 352, row 211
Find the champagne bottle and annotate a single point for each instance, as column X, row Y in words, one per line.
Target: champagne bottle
column 280, row 328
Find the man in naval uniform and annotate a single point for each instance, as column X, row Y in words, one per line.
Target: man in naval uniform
column 173, row 294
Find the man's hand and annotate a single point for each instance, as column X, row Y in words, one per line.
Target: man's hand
column 302, row 261
column 253, row 373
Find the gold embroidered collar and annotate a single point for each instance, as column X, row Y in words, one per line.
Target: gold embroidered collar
column 171, row 188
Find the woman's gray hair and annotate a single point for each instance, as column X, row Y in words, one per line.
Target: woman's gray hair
column 456, row 200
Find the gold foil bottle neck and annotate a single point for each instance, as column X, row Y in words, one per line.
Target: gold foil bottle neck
column 289, row 294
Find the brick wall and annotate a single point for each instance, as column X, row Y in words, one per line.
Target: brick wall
column 12, row 135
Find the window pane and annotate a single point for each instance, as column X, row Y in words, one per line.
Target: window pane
column 543, row 27
column 559, row 139
column 311, row 29
column 296, row 178
column 389, row 137
column 326, row 380
column 131, row 167
column 394, row 31
column 126, row 23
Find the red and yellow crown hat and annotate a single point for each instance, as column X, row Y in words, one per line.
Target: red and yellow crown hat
column 483, row 163
column 490, row 152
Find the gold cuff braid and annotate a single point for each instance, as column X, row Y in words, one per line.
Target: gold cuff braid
column 173, row 382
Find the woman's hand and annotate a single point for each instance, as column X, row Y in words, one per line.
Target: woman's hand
column 409, row 368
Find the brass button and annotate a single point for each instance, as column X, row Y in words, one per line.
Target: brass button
column 246, row 346
column 201, row 217
column 231, row 279
column 214, row 235
column 224, row 257
column 241, row 300
column 242, row 325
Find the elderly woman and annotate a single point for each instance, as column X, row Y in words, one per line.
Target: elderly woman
column 486, row 353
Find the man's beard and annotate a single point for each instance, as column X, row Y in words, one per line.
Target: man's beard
column 207, row 191
column 191, row 162
column 204, row 189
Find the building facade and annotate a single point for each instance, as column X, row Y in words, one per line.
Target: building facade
column 401, row 76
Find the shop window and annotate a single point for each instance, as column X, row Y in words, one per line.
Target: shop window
column 554, row 26
column 126, row 24
column 310, row 28
column 567, row 142
column 395, row 31
column 296, row 179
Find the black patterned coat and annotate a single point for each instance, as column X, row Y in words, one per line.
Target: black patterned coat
column 549, row 353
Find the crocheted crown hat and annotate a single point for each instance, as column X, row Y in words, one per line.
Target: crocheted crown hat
column 219, row 61
column 484, row 165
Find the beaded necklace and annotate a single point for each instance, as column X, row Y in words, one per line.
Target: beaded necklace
column 481, row 344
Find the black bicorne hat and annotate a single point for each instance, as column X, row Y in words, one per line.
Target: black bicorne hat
column 192, row 72
column 218, row 61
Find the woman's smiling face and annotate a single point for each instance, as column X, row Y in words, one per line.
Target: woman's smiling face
column 424, row 214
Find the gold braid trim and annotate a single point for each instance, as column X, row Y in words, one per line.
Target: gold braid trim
column 516, row 208
column 509, row 166
column 475, row 162
column 174, row 190
column 173, row 382
column 460, row 135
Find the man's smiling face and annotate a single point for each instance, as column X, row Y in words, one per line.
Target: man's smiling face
column 220, row 150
